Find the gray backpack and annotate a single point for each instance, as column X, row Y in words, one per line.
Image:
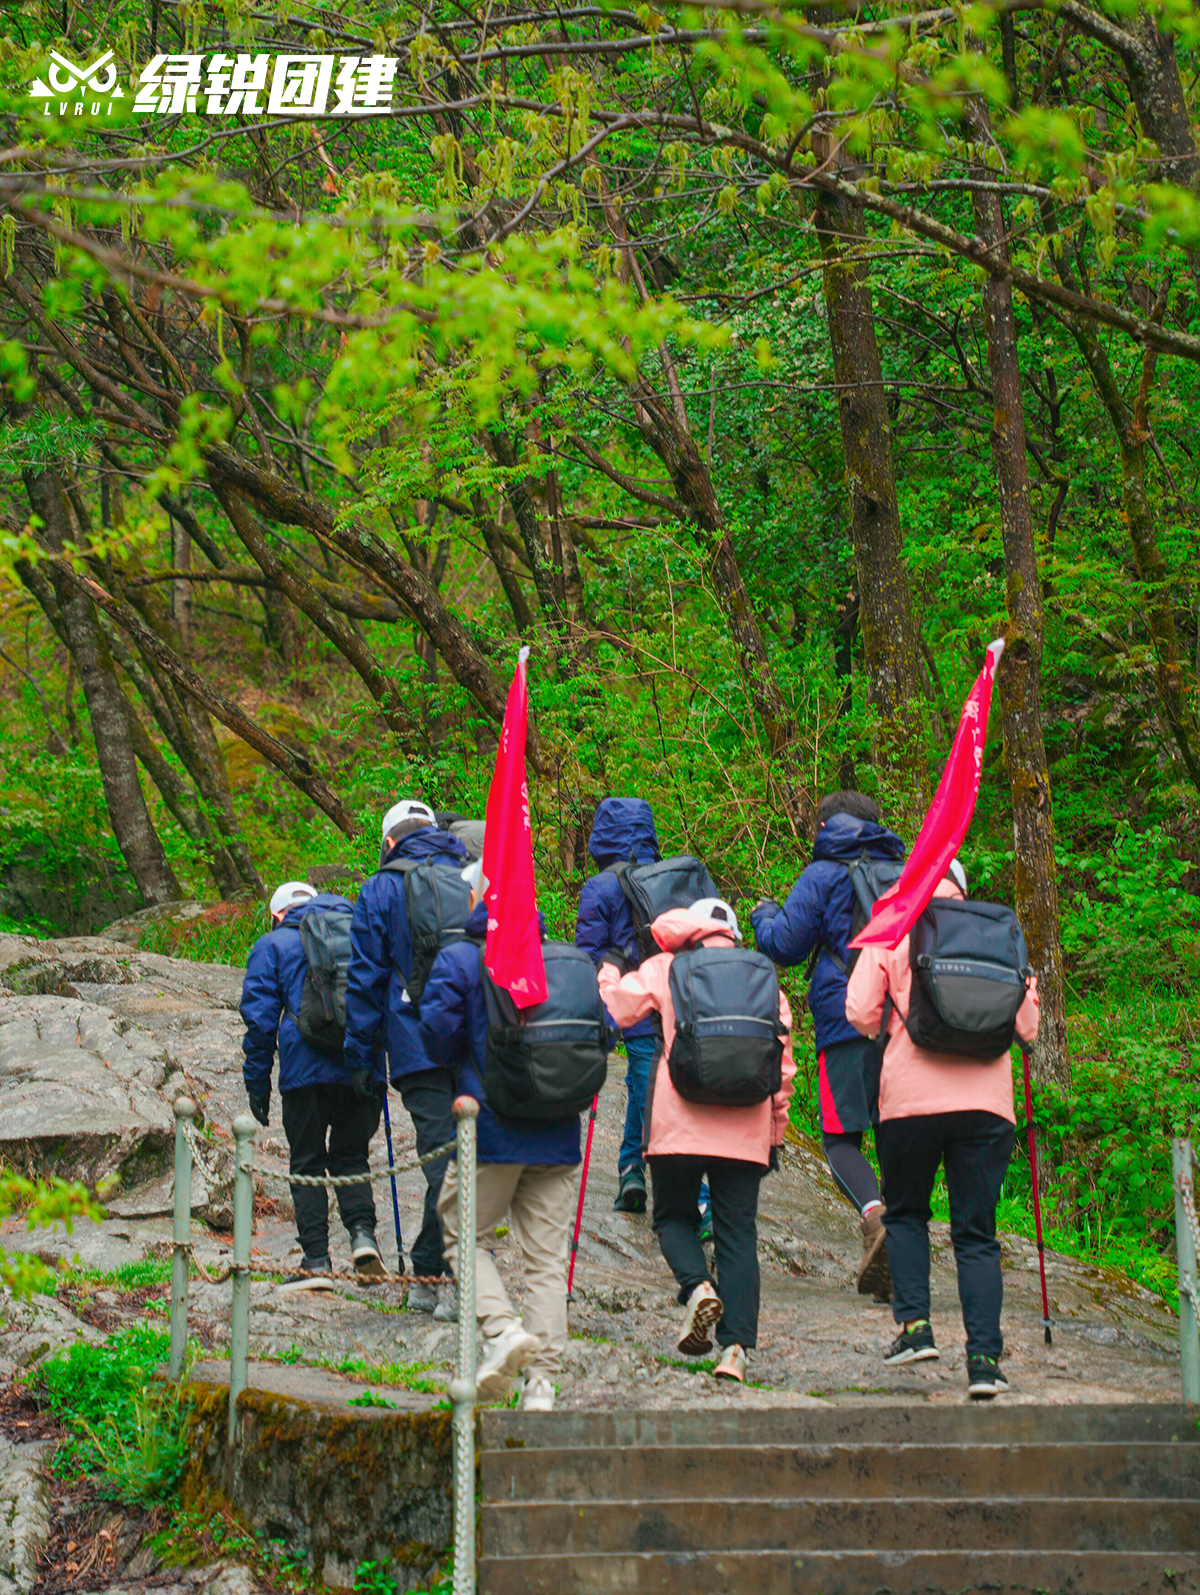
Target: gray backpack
column 728, row 1046
column 437, row 902
column 325, row 938
column 970, row 973
column 651, row 889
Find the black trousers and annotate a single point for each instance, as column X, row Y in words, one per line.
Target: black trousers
column 428, row 1097
column 975, row 1148
column 329, row 1130
column 733, row 1185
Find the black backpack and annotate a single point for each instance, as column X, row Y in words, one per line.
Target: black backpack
column 547, row 1062
column 870, row 877
column 438, row 903
column 325, row 938
column 727, row 1050
column 970, row 973
column 651, row 889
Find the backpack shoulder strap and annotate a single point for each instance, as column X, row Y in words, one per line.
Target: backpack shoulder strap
column 400, row 866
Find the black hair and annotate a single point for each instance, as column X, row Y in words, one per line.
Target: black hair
column 856, row 804
column 406, row 827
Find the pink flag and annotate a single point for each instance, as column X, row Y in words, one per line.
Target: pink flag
column 513, row 951
column 945, row 824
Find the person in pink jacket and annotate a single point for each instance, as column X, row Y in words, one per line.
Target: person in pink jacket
column 683, row 1139
column 938, row 1109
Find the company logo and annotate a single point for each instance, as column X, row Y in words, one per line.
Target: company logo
column 66, row 78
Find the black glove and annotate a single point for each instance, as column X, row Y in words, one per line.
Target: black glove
column 773, row 1161
column 767, row 902
column 260, row 1106
column 617, row 959
column 365, row 1088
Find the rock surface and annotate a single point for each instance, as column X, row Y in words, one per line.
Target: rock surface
column 24, row 1515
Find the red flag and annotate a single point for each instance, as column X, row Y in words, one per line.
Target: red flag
column 946, row 823
column 513, row 951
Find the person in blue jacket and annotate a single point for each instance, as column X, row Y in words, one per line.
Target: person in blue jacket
column 381, row 1019
column 525, row 1169
column 623, row 829
column 817, row 916
column 328, row 1123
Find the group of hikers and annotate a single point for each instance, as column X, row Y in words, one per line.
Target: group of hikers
column 393, row 991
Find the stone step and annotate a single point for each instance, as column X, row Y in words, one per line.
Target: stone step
column 882, row 1424
column 902, row 1524
column 669, row 1472
column 842, row 1573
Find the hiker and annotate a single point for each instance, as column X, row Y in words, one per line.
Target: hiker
column 718, row 1101
column 328, row 1122
column 623, row 829
column 815, row 925
column 952, row 1109
column 382, row 1014
column 526, row 1166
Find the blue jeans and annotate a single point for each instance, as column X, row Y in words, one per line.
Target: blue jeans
column 639, row 1050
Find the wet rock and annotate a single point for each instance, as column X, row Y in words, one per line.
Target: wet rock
column 33, row 1329
column 24, row 1516
column 132, row 927
column 78, row 1098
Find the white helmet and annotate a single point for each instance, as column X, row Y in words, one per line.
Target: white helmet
column 409, row 809
column 958, row 875
column 717, row 908
column 290, row 892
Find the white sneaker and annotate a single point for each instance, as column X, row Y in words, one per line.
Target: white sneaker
column 732, row 1365
column 538, row 1396
column 421, row 1298
column 704, row 1309
column 446, row 1311
column 503, row 1355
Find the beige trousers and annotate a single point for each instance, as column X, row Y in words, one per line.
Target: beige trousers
column 540, row 1202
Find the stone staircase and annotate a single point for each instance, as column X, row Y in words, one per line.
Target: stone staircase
column 843, row 1501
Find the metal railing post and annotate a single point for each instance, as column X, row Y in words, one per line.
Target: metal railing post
column 185, row 1110
column 1185, row 1251
column 462, row 1386
column 243, row 1228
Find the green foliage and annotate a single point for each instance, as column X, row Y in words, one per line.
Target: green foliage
column 399, row 1375
column 44, row 1205
column 374, row 1578
column 127, row 1425
column 222, row 935
column 369, row 1398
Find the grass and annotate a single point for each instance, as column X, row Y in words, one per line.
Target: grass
column 398, row 1375
column 223, row 934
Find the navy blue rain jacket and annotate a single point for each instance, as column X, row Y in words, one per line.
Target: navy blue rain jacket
column 623, row 828
column 819, row 909
column 378, row 1011
column 454, row 1032
column 275, row 972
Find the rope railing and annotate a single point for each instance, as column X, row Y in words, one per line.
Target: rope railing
column 1187, row 1248
column 188, row 1153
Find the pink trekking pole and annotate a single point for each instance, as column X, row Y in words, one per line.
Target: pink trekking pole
column 1037, row 1200
column 587, row 1157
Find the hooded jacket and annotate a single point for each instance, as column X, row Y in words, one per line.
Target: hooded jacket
column 379, row 1013
column 673, row 1126
column 275, row 972
column 454, row 1032
column 622, row 829
column 914, row 1081
column 818, row 910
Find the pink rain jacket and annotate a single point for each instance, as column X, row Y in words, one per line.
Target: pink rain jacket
column 692, row 1129
column 915, row 1081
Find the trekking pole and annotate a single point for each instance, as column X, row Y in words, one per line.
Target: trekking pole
column 387, row 1125
column 1037, row 1200
column 587, row 1156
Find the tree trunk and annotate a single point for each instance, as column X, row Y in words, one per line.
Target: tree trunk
column 1020, row 671
column 133, row 829
column 893, row 658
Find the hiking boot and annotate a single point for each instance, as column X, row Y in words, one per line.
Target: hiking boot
column 912, row 1345
column 446, row 1311
column 631, row 1192
column 503, row 1355
column 984, row 1379
column 538, row 1396
column 703, row 1311
column 368, row 1264
column 421, row 1298
column 874, row 1275
column 314, row 1273
column 732, row 1365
